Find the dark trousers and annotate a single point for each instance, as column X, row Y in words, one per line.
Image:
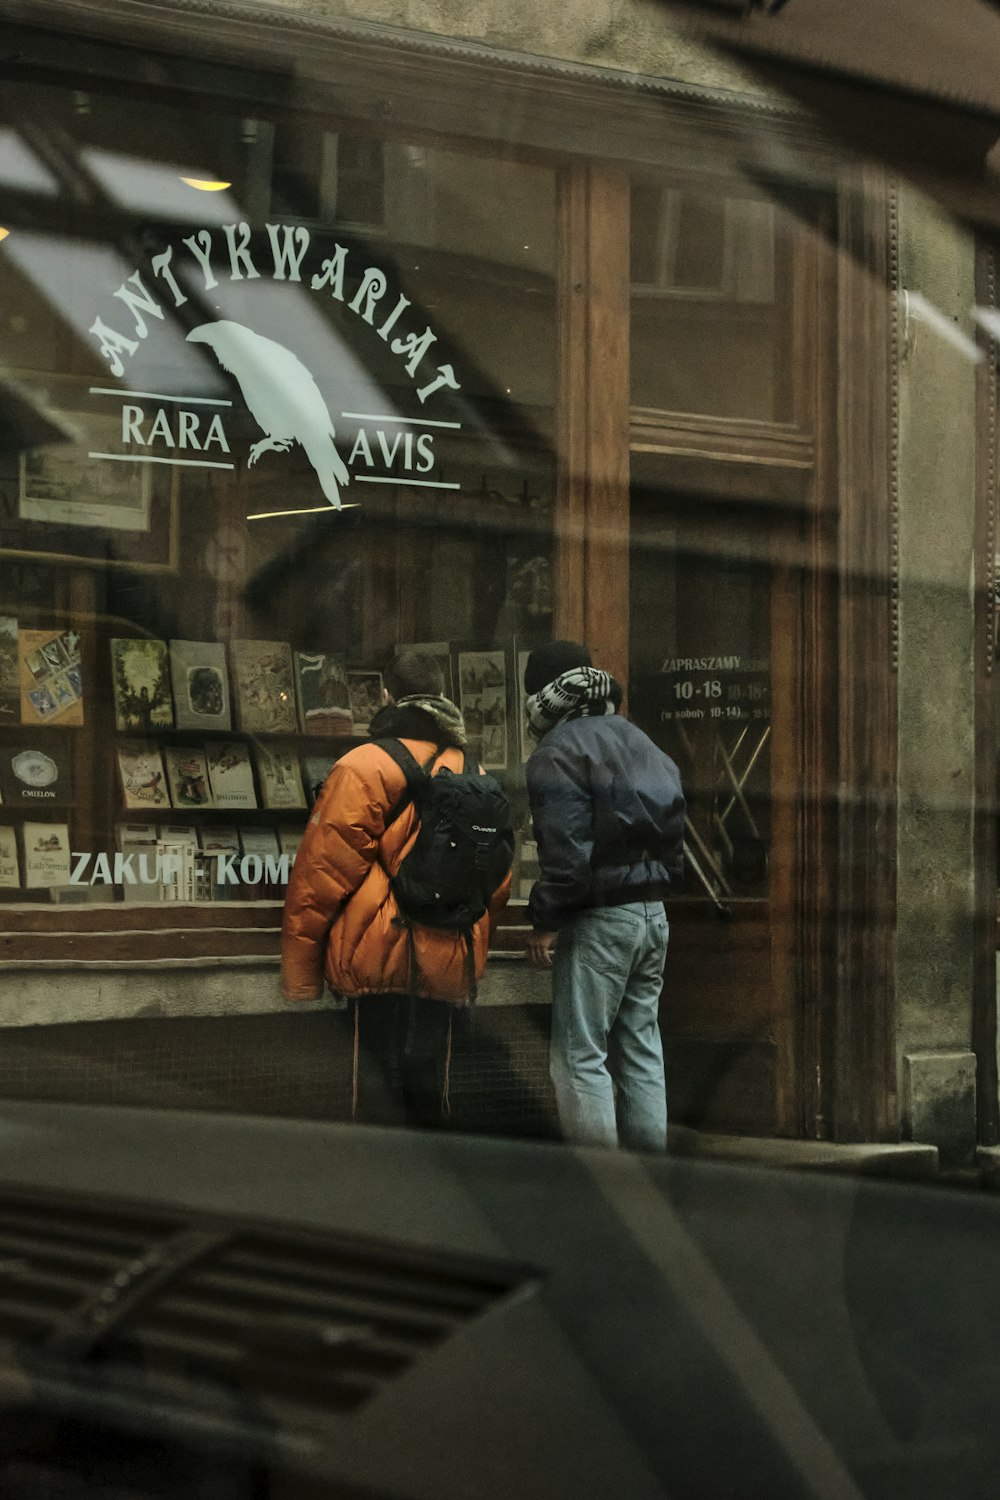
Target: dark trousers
column 402, row 1059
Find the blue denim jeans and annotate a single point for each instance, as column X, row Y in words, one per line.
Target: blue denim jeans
column 606, row 980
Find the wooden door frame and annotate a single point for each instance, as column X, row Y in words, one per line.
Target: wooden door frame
column 833, row 905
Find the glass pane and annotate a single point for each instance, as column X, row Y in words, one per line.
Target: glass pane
column 711, row 299
column 288, row 401
column 700, row 641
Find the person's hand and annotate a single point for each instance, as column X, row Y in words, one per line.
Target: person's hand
column 540, row 946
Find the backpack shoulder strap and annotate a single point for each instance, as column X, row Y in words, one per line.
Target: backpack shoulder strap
column 416, row 774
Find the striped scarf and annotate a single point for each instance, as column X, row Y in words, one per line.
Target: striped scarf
column 579, row 693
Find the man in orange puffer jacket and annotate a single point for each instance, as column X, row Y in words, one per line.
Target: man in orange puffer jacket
column 341, row 921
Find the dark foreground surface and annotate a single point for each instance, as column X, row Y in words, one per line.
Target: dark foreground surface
column 234, row 1309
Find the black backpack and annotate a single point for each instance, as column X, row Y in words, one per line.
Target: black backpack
column 463, row 849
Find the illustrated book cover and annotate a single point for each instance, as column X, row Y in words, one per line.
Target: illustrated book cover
column 365, row 693
column 10, row 869
column 141, row 684
column 46, row 855
column 324, row 699
column 230, row 773
column 187, row 773
column 50, row 676
column 280, row 777
column 482, row 682
column 10, row 682
column 33, row 776
column 264, row 686
column 201, row 686
column 140, row 766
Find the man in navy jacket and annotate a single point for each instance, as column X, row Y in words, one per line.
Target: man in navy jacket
column 608, row 814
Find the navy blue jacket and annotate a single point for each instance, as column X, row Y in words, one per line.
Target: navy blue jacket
column 608, row 812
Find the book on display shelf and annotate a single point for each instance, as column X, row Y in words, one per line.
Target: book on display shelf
column 10, row 681
column 280, row 777
column 187, row 773
column 138, row 845
column 230, row 773
column 143, row 780
column 141, row 682
column 10, row 869
column 324, row 700
column 50, row 677
column 365, row 692
column 264, row 687
column 201, row 686
column 36, row 777
column 46, row 855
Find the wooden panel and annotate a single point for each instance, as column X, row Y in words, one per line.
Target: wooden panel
column 773, row 445
column 865, row 1104
column 573, row 373
column 984, row 997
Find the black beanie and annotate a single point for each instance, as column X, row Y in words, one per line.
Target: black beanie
column 550, row 661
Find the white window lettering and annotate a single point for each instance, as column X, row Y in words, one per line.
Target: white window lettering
column 425, row 448
column 216, row 434
column 388, row 453
column 113, row 345
column 225, row 870
column 287, row 259
column 139, row 303
column 276, row 870
column 82, row 861
column 200, row 245
column 394, row 317
column 132, row 418
column 161, row 429
column 416, row 347
column 332, row 274
column 239, row 254
column 149, row 869
column 101, row 874
column 445, row 376
column 251, row 869
column 361, row 446
column 161, row 267
column 124, row 873
column 372, row 289
column 187, row 430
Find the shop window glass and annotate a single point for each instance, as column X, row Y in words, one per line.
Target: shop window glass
column 711, row 300
column 701, row 594
column 278, row 400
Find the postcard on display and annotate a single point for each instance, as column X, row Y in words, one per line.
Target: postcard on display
column 46, row 855
column 365, row 692
column 138, row 843
column 187, row 773
column 262, row 841
column 219, row 841
column 441, row 652
column 324, row 701
column 140, row 765
column 141, row 684
column 315, row 770
column 10, row 869
column 264, row 687
column 201, row 686
column 482, row 683
column 177, row 849
column 280, row 777
column 50, row 678
column 525, row 740
column 230, row 773
column 290, row 840
column 10, row 682
column 35, row 777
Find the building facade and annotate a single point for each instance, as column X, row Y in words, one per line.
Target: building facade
column 331, row 328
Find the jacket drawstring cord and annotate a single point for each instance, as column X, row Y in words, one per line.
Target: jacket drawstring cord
column 446, row 1090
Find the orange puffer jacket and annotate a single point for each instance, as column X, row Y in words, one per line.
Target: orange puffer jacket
column 340, row 913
